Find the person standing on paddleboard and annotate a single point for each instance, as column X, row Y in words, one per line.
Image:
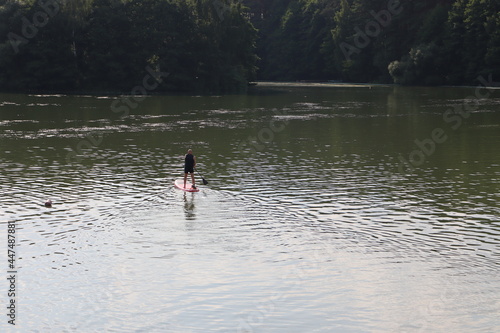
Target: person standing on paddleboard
column 189, row 165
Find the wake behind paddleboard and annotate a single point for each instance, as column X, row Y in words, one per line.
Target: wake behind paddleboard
column 179, row 183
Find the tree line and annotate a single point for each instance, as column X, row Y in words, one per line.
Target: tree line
column 412, row 42
column 215, row 46
column 112, row 45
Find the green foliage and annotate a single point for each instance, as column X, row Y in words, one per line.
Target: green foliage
column 292, row 38
column 214, row 46
column 458, row 41
column 108, row 45
column 416, row 67
column 424, row 42
column 473, row 39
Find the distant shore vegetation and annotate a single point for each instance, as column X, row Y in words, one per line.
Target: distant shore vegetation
column 220, row 46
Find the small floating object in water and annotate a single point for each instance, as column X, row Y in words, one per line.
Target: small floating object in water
column 48, row 203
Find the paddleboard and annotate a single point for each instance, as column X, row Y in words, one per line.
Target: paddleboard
column 179, row 183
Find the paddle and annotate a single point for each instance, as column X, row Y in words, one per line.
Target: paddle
column 204, row 181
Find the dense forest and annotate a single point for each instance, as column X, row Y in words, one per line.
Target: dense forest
column 113, row 45
column 414, row 42
column 221, row 45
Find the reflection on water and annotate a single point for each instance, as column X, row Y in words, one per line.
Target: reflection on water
column 189, row 206
column 307, row 224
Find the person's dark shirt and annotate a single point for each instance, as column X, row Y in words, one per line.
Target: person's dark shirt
column 189, row 161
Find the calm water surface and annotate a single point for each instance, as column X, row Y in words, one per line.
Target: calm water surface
column 328, row 209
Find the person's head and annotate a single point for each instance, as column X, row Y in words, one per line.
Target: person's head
column 190, row 151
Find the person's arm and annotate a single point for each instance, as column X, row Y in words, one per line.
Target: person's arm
column 194, row 159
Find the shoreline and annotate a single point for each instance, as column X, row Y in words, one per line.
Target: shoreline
column 326, row 84
column 252, row 85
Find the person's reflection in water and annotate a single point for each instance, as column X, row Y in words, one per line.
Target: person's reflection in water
column 189, row 206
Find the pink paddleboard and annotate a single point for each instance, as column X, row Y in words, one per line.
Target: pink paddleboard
column 179, row 183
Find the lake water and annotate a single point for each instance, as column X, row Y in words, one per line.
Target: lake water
column 328, row 209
